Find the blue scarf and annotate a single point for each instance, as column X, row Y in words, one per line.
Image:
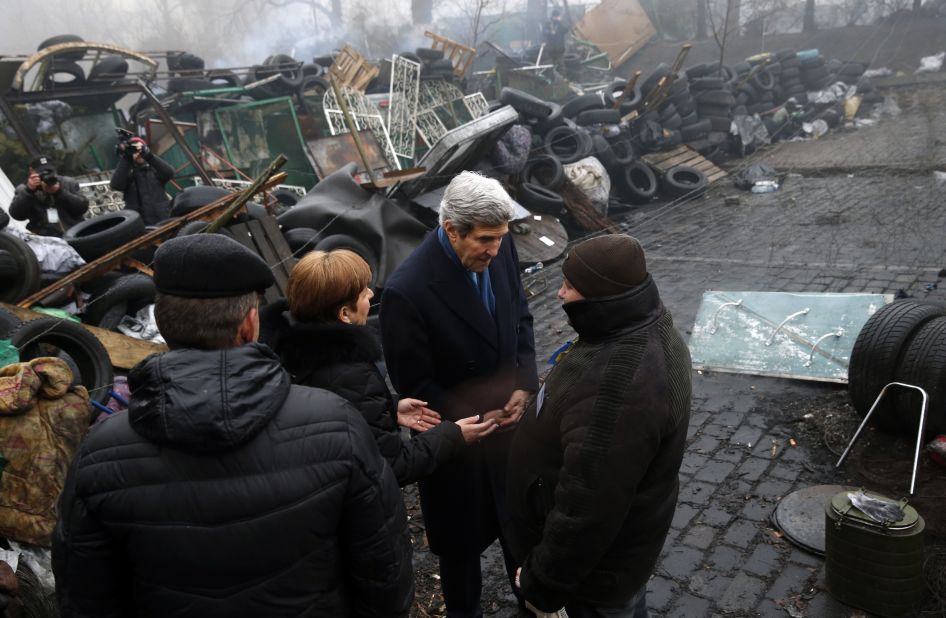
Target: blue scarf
column 480, row 281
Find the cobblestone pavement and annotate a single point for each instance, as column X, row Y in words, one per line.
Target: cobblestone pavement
column 834, row 232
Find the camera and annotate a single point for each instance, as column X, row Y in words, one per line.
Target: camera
column 125, row 145
column 48, row 177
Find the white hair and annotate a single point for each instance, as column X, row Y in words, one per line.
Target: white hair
column 472, row 199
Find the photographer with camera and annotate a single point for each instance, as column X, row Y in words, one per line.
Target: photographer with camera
column 48, row 202
column 141, row 175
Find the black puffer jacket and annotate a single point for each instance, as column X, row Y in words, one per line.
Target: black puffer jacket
column 32, row 207
column 592, row 477
column 226, row 491
column 346, row 360
column 143, row 186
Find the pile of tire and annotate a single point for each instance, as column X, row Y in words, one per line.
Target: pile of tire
column 432, row 63
column 904, row 341
column 711, row 85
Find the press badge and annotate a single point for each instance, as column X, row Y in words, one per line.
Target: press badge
column 52, row 215
column 539, row 400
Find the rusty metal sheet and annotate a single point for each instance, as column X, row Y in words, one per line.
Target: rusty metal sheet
column 620, row 28
column 806, row 336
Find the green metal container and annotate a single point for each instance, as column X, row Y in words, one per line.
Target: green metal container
column 878, row 568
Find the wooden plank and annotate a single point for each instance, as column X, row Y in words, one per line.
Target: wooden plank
column 686, row 158
column 657, row 157
column 280, row 246
column 265, row 251
column 123, row 352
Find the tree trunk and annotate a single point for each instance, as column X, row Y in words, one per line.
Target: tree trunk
column 701, row 19
column 422, row 11
column 735, row 9
column 808, row 24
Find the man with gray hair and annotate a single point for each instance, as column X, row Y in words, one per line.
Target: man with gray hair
column 457, row 333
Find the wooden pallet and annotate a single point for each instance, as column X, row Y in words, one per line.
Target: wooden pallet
column 684, row 155
column 460, row 55
column 262, row 236
column 352, row 69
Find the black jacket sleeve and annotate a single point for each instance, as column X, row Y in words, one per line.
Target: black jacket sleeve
column 4, row 219
column 162, row 168
column 21, row 208
column 71, row 200
column 122, row 175
column 90, row 568
column 363, row 385
column 526, row 371
column 374, row 537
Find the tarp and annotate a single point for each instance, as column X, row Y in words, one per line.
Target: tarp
column 619, row 28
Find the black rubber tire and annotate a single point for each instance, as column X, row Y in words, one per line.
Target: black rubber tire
column 429, row 53
column 8, row 323
column 192, row 198
column 64, row 67
column 691, row 118
column 554, row 119
column 696, row 130
column 289, row 69
column 186, row 61
column 601, row 150
column 328, row 60
column 759, row 108
column 223, row 78
column 923, row 364
column 715, row 97
column 683, row 180
column 312, row 69
column 623, row 151
column 763, row 80
column 544, row 171
column 679, row 86
column 301, row 240
column 344, row 241
column 598, row 116
column 678, row 100
column 95, row 368
column 314, row 85
column 686, row 107
column 698, row 70
column 64, row 38
column 789, row 73
column 809, row 62
column 814, row 74
column 567, row 143
column 707, row 83
column 26, row 279
column 673, row 123
column 637, row 183
column 525, row 103
column 539, row 199
column 582, row 103
column 719, row 124
column 126, row 294
column 785, row 54
column 877, row 352
column 632, row 102
column 8, row 265
column 285, row 196
column 741, row 68
column 667, row 111
column 709, row 111
column 95, row 237
column 108, row 69
column 662, row 70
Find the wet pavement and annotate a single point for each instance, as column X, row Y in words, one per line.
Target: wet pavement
column 870, row 220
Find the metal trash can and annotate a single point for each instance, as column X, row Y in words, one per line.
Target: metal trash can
column 875, row 566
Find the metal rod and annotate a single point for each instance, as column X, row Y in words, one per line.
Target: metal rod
column 715, row 328
column 919, row 436
column 811, row 355
column 245, row 195
column 783, row 322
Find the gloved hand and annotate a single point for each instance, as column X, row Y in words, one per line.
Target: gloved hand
column 142, row 149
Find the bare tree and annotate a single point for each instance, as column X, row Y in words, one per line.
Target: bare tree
column 808, row 23
column 480, row 15
column 701, row 19
column 422, row 11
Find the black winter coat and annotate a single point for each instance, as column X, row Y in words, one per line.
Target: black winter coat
column 442, row 346
column 346, row 360
column 143, row 186
column 226, row 491
column 32, row 206
column 592, row 482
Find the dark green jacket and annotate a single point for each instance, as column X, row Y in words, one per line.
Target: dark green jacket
column 592, row 481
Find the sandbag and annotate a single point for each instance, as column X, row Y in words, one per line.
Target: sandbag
column 592, row 179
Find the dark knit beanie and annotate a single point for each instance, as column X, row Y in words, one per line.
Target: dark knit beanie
column 605, row 265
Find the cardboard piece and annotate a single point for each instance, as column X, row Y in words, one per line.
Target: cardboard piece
column 620, row 28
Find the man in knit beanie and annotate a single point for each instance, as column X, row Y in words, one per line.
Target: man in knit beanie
column 592, row 477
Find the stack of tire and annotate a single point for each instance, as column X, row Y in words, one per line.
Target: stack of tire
column 432, row 63
column 904, row 341
column 65, row 71
column 790, row 79
column 814, row 73
column 710, row 86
